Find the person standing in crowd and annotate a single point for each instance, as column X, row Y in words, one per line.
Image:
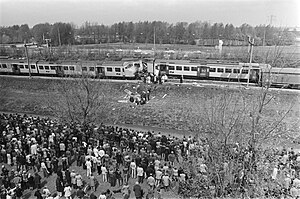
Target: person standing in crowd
column 133, row 169
column 138, row 191
column 92, row 182
column 151, row 181
column 140, row 174
column 104, row 173
column 68, row 191
column 88, row 165
column 59, row 186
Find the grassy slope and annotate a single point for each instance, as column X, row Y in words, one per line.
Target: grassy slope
column 174, row 111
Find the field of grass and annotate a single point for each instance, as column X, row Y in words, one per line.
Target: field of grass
column 171, row 106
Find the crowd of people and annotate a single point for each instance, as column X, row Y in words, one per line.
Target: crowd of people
column 44, row 159
column 87, row 161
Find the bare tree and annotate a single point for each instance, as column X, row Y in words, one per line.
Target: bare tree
column 81, row 100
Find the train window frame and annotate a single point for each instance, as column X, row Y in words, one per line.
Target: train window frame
column 212, row 70
column 117, row 70
column 26, row 66
column 186, row 68
column 245, row 71
column 41, row 67
column 220, row 70
column 179, row 68
column 84, row 68
column 72, row 68
column 236, row 70
column 171, row 67
column 228, row 70
column 109, row 69
column 47, row 67
column 21, row 66
column 65, row 68
column 52, row 67
column 4, row 65
column 32, row 66
column 194, row 68
column 92, row 69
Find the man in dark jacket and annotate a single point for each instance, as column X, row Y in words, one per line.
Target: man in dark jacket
column 138, row 191
column 37, row 180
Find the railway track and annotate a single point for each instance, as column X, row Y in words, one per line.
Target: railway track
column 186, row 82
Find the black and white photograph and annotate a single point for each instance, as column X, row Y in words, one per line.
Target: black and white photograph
column 149, row 99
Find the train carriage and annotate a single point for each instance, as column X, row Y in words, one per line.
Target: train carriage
column 281, row 77
column 5, row 66
column 183, row 68
column 21, row 67
column 89, row 68
column 49, row 68
column 119, row 69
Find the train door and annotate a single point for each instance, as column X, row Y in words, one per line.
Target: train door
column 202, row 72
column 100, row 72
column 15, row 68
column 254, row 75
column 59, row 71
column 163, row 69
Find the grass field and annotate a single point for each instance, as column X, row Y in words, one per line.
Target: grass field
column 171, row 106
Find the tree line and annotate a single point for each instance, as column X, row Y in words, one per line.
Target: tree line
column 203, row 33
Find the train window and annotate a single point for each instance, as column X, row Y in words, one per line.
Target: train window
column 41, row 67
column 212, row 70
column 21, row 66
column 244, row 71
column 26, row 66
column 186, row 68
column 65, row 68
column 118, row 69
column 52, row 67
column 4, row 66
column 1, row 65
column 92, row 69
column 227, row 70
column 32, row 66
column 178, row 67
column 46, row 67
column 194, row 68
column 171, row 68
column 236, row 70
column 109, row 69
column 84, row 68
column 137, row 65
column 220, row 70
column 203, row 70
column 71, row 68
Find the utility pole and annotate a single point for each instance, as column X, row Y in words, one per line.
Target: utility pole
column 59, row 41
column 26, row 51
column 154, row 53
column 251, row 43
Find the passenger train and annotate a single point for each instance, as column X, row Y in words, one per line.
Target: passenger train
column 261, row 74
column 105, row 69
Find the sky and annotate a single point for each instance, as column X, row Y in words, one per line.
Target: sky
column 284, row 13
